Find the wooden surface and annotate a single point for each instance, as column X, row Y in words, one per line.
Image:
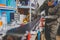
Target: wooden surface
column 57, row 37
column 43, row 37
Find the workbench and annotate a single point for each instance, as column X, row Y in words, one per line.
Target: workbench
column 23, row 30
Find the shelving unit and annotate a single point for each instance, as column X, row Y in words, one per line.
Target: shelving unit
column 7, row 8
column 27, row 7
column 22, row 30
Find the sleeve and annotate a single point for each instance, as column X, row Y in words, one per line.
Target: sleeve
column 42, row 7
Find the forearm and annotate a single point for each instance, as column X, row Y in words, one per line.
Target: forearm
column 42, row 7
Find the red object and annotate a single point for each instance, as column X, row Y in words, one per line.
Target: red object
column 28, row 36
column 42, row 20
column 50, row 3
column 22, row 25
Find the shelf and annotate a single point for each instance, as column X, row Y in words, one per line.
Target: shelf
column 7, row 8
column 32, row 7
column 25, row 7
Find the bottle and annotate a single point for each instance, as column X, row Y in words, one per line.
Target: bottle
column 4, row 20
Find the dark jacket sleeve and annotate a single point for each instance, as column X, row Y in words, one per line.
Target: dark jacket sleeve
column 43, row 6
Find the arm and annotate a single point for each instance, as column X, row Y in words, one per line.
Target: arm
column 42, row 7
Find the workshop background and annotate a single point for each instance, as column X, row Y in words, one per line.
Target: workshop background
column 20, row 20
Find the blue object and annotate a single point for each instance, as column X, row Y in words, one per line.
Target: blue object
column 7, row 14
column 55, row 3
column 38, row 35
column 0, row 13
column 3, row 2
column 11, row 3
